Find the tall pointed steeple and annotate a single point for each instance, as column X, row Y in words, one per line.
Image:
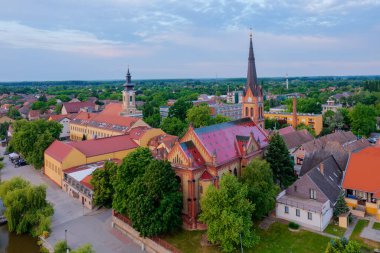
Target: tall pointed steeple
column 129, row 77
column 251, row 73
column 128, row 85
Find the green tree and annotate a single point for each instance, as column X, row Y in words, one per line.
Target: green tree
column 363, row 119
column 155, row 203
column 342, row 245
column 27, row 210
column 153, row 120
column 61, row 247
column 199, row 115
column 4, row 130
column 40, row 105
column 102, row 183
column 32, row 138
column 280, row 161
column 340, row 206
column 228, row 214
column 85, row 248
column 58, row 109
column 173, row 126
column 219, row 119
column 13, row 113
column 180, row 108
column 262, row 190
column 133, row 166
column 309, row 129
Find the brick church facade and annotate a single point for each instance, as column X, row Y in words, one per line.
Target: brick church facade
column 204, row 154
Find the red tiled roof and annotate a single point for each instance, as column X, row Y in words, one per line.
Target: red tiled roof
column 59, row 117
column 113, row 109
column 34, row 113
column 363, row 171
column 74, row 107
column 138, row 132
column 107, row 145
column 86, row 182
column 58, row 150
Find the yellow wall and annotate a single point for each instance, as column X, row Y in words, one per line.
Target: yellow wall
column 54, row 169
column 351, row 202
column 315, row 121
column 371, row 208
column 148, row 135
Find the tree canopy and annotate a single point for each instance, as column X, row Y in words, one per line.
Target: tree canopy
column 342, row 245
column 340, row 206
column 154, row 201
column 173, row 125
column 102, row 182
column 280, row 161
column 132, row 166
column 180, row 108
column 32, row 138
column 262, row 190
column 228, row 214
column 27, row 210
column 363, row 119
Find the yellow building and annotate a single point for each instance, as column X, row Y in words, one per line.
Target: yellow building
column 315, row 121
column 87, row 126
column 60, row 156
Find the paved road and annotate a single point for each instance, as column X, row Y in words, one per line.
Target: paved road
column 94, row 228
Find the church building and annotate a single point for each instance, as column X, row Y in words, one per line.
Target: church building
column 253, row 102
column 129, row 98
column 204, row 154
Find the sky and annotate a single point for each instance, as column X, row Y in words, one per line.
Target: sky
column 98, row 39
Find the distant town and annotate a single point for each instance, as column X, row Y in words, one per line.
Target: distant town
column 219, row 165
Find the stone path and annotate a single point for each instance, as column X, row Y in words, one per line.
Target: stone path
column 267, row 222
column 370, row 233
column 350, row 228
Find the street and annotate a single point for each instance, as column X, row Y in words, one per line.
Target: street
column 82, row 225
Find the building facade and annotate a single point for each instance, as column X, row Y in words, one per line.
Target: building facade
column 231, row 111
column 60, row 156
column 331, row 105
column 204, row 154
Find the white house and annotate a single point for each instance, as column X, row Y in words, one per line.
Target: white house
column 310, row 200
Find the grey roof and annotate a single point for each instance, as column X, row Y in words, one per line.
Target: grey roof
column 297, row 138
column 329, row 180
column 341, row 137
column 334, row 149
column 357, row 145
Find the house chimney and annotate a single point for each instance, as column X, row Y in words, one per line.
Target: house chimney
column 294, row 116
column 322, row 168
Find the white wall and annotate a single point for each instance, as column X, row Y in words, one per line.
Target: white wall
column 318, row 222
column 65, row 133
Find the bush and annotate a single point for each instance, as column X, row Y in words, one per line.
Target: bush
column 1, row 165
column 293, row 225
column 1, row 158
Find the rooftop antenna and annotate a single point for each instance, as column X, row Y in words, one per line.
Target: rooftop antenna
column 287, row 82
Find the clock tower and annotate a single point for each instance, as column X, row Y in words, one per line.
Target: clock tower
column 253, row 102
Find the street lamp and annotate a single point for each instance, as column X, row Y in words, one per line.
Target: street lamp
column 67, row 247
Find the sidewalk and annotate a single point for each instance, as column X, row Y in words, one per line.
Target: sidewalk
column 350, row 228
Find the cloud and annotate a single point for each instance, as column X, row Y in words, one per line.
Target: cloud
column 17, row 35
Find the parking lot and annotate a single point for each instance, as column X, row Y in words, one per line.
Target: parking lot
column 82, row 225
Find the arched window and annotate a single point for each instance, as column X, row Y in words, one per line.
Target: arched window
column 246, row 111
column 251, row 112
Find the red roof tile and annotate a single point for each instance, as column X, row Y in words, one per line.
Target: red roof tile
column 58, row 150
column 113, row 109
column 74, row 107
column 107, row 145
column 86, row 182
column 363, row 171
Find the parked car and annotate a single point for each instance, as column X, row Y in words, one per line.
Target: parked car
column 20, row 162
column 372, row 140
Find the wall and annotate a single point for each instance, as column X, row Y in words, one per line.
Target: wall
column 69, row 189
column 66, row 128
column 148, row 135
column 315, row 223
column 146, row 243
column 316, row 119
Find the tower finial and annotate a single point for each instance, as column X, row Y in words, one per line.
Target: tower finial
column 250, row 33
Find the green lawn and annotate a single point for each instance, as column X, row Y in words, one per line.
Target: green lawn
column 366, row 245
column 376, row 225
column 333, row 229
column 276, row 239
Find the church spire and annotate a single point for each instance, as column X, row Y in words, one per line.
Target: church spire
column 129, row 77
column 251, row 73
